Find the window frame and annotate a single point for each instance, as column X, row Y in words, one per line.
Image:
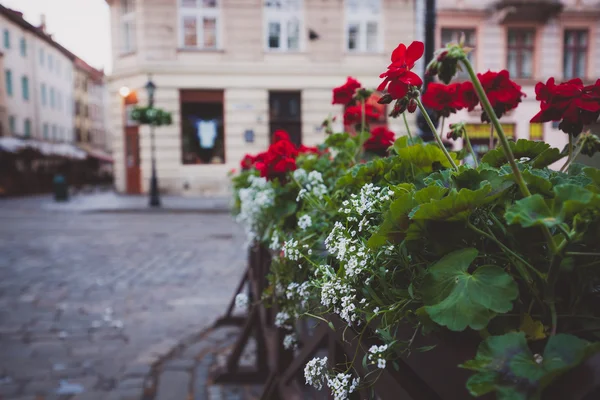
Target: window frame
column 12, row 124
column 458, row 30
column 6, row 38
column 576, row 49
column 9, row 82
column 199, row 13
column 283, row 17
column 362, row 17
column 23, row 46
column 27, row 128
column 43, row 94
column 127, row 18
column 520, row 47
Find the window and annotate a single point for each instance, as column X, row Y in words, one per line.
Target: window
column 128, row 26
column 202, row 130
column 50, row 62
column 6, row 39
column 199, row 24
column 520, row 53
column 283, row 24
column 77, row 108
column 58, row 100
column 45, row 131
column 42, row 57
column 27, row 127
column 43, row 94
column 12, row 123
column 453, row 35
column 23, row 47
column 8, row 79
column 25, row 87
column 363, row 26
column 52, row 97
column 536, row 131
column 53, row 132
column 575, row 53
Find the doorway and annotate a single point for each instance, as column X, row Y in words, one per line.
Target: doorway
column 285, row 113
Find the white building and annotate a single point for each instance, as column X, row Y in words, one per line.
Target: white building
column 247, row 68
column 38, row 75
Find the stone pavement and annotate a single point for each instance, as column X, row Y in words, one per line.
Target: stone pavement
column 111, row 202
column 88, row 299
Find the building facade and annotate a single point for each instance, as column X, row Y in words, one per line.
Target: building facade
column 90, row 110
column 533, row 40
column 38, row 81
column 3, row 107
column 231, row 72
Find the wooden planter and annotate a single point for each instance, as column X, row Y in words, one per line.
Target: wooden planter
column 431, row 375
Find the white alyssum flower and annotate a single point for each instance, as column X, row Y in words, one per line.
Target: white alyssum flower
column 304, row 222
column 312, row 184
column 341, row 385
column 275, row 245
column 281, row 320
column 241, row 300
column 290, row 341
column 314, row 372
column 254, row 201
column 377, row 355
column 339, row 295
column 291, row 251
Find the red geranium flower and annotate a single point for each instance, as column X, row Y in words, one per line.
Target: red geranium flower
column 445, row 99
column 399, row 76
column 247, row 162
column 353, row 114
column 278, row 159
column 504, row 94
column 381, row 139
column 280, row 134
column 467, row 94
column 570, row 102
column 308, row 150
column 345, row 93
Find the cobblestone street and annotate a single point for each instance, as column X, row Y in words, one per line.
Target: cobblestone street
column 86, row 299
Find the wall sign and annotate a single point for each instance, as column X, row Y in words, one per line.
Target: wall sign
column 249, row 136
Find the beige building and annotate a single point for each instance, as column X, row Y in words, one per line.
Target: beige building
column 232, row 71
column 4, row 129
column 533, row 40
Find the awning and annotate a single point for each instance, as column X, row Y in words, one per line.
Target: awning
column 67, row 150
column 95, row 153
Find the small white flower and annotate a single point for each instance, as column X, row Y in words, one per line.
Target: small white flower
column 304, row 222
column 281, row 320
column 290, row 342
column 314, row 372
column 381, row 363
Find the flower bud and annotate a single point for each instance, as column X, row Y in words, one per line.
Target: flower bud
column 412, row 106
column 385, row 99
column 399, row 107
column 590, row 143
column 456, row 131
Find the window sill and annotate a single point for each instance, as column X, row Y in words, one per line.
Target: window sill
column 525, row 81
column 198, row 50
column 364, row 53
column 276, row 51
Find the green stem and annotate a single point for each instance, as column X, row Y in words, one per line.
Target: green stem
column 485, row 102
column 570, row 153
column 554, row 318
column 569, row 162
column 470, row 149
column 407, row 127
column 579, row 253
column 491, row 147
column 435, row 134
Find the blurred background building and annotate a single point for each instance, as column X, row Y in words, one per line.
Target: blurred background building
column 38, row 122
column 534, row 40
column 232, row 72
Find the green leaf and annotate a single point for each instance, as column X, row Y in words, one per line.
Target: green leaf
column 531, row 211
column 395, row 223
column 594, row 175
column 455, row 206
column 424, row 156
column 456, row 299
column 505, row 364
column 540, row 154
column 405, row 141
column 571, row 199
column 538, row 181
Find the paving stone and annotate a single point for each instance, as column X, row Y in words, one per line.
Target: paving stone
column 173, row 385
column 8, row 390
column 137, row 370
column 197, row 349
column 215, row 393
column 90, row 396
column 131, row 383
column 41, row 387
column 179, row 364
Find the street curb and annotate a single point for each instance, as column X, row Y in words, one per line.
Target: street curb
column 158, row 211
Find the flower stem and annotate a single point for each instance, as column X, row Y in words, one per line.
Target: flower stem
column 435, row 134
column 485, row 102
column 570, row 154
column 407, row 127
column 571, row 160
column 470, row 149
column 491, row 146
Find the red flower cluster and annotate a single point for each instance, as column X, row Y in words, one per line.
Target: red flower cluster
column 572, row 103
column 278, row 159
column 345, row 93
column 353, row 114
column 279, row 135
column 381, row 139
column 399, row 76
column 504, row 94
column 447, row 99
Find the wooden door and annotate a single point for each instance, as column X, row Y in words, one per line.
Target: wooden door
column 132, row 160
column 285, row 113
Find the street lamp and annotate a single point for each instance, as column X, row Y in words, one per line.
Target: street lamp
column 154, row 194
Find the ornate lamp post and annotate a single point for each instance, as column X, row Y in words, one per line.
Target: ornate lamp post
column 154, row 194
